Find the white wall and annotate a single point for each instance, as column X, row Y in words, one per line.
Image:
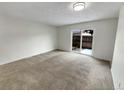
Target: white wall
column 20, row 39
column 118, row 58
column 103, row 41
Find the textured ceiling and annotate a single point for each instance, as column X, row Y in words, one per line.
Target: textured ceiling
column 60, row 13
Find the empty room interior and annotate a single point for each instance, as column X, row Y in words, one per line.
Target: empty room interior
column 61, row 45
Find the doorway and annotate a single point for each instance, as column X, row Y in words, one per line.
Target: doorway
column 82, row 41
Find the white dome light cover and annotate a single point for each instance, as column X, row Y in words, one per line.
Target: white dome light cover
column 78, row 6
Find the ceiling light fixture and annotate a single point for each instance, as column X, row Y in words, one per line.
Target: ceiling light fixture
column 79, row 6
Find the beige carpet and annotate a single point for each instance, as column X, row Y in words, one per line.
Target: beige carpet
column 56, row 70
